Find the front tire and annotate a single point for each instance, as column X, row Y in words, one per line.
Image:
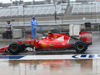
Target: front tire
column 14, row 48
column 80, row 47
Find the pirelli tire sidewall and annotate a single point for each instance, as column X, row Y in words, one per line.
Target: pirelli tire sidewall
column 80, row 47
column 16, row 47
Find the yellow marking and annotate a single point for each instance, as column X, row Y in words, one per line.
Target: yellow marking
column 55, row 37
column 81, row 46
column 32, row 42
column 43, row 44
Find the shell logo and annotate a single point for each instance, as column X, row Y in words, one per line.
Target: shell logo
column 43, row 44
column 51, row 44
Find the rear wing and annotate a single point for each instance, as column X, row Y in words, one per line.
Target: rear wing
column 86, row 37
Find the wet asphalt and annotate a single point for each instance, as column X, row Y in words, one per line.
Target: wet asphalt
column 50, row 67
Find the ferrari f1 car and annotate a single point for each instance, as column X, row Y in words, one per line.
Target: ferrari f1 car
column 56, row 41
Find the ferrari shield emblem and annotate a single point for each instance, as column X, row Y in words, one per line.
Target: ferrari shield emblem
column 55, row 37
column 32, row 42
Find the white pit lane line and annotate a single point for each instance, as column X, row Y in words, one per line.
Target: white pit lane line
column 51, row 57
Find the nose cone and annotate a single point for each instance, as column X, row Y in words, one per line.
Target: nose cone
column 3, row 49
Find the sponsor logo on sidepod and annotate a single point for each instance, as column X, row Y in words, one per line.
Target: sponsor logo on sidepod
column 86, row 35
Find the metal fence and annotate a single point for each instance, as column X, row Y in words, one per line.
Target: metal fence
column 54, row 14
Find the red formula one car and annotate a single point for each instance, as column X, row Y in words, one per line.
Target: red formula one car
column 56, row 41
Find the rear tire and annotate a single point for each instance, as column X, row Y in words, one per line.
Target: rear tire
column 14, row 48
column 80, row 47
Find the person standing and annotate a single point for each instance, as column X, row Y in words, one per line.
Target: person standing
column 8, row 30
column 34, row 24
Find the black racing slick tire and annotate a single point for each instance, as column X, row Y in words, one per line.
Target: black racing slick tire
column 14, row 48
column 80, row 47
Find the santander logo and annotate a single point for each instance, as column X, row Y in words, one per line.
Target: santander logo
column 86, row 35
